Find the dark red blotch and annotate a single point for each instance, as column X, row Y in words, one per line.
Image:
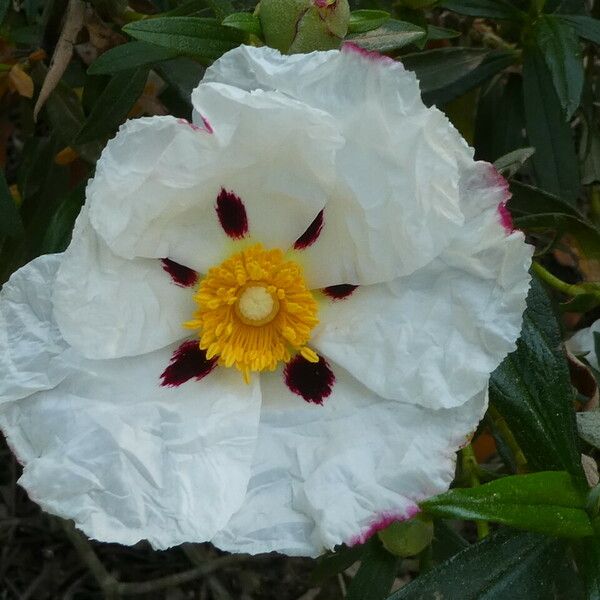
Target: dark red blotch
column 232, row 214
column 310, row 236
column 182, row 276
column 339, row 292
column 188, row 362
column 312, row 381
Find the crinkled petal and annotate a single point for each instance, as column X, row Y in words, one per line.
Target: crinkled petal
column 432, row 338
column 32, row 351
column 107, row 306
column 396, row 202
column 127, row 459
column 323, row 475
column 273, row 153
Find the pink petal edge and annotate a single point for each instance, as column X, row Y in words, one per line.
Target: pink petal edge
column 351, row 47
column 385, row 519
column 505, row 216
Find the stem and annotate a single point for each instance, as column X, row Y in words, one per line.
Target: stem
column 502, row 426
column 558, row 284
column 470, row 466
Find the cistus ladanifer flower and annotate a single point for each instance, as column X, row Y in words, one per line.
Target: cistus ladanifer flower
column 274, row 326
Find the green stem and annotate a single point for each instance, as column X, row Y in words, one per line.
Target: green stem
column 470, row 466
column 569, row 289
column 502, row 426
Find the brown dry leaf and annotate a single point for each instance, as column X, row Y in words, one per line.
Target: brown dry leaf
column 63, row 51
column 20, row 82
column 66, row 156
column 102, row 37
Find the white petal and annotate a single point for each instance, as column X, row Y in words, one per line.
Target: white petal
column 324, row 475
column 32, row 351
column 432, row 338
column 275, row 154
column 127, row 459
column 107, row 306
column 583, row 343
column 396, row 203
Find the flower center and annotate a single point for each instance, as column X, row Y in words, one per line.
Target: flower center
column 257, row 306
column 255, row 311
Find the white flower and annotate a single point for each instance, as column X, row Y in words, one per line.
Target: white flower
column 359, row 287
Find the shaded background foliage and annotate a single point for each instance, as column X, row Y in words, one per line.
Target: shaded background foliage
column 519, row 79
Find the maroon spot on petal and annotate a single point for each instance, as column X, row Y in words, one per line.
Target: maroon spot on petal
column 339, row 292
column 232, row 214
column 313, row 381
column 182, row 276
column 384, row 520
column 310, row 236
column 188, row 362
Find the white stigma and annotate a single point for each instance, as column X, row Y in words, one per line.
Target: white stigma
column 255, row 303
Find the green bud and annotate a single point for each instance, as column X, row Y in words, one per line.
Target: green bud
column 407, row 538
column 294, row 26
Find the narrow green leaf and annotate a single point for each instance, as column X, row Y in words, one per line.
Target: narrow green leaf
column 588, row 561
column 495, row 137
column 366, row 20
column 510, row 164
column 245, row 22
column 182, row 74
column 446, row 541
column 441, row 33
column 554, row 162
column 188, row 8
column 447, row 73
column 560, row 46
column 491, row 9
column 507, row 565
column 585, row 27
column 113, row 105
column 129, row 56
column 532, row 390
column 392, row 35
column 545, row 502
column 10, row 220
column 58, row 232
column 4, row 6
column 535, row 210
column 374, row 578
column 221, row 8
column 193, row 36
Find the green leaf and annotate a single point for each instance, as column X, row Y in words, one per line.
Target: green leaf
column 366, row 20
column 585, row 27
column 113, row 105
column 193, row 36
column 545, row 502
column 507, row 565
column 554, row 162
column 390, row 36
column 182, row 74
column 374, row 578
column 496, row 137
column 129, row 56
column 441, row 33
column 245, row 22
column 535, row 210
column 447, row 73
column 532, row 390
column 446, row 540
column 510, row 164
column 188, row 8
column 588, row 561
column 10, row 220
column 560, row 47
column 491, row 9
column 58, row 233
column 588, row 425
column 4, row 6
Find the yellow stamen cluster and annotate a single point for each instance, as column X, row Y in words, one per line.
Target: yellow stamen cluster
column 254, row 311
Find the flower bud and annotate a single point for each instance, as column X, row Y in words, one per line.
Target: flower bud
column 294, row 26
column 407, row 538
